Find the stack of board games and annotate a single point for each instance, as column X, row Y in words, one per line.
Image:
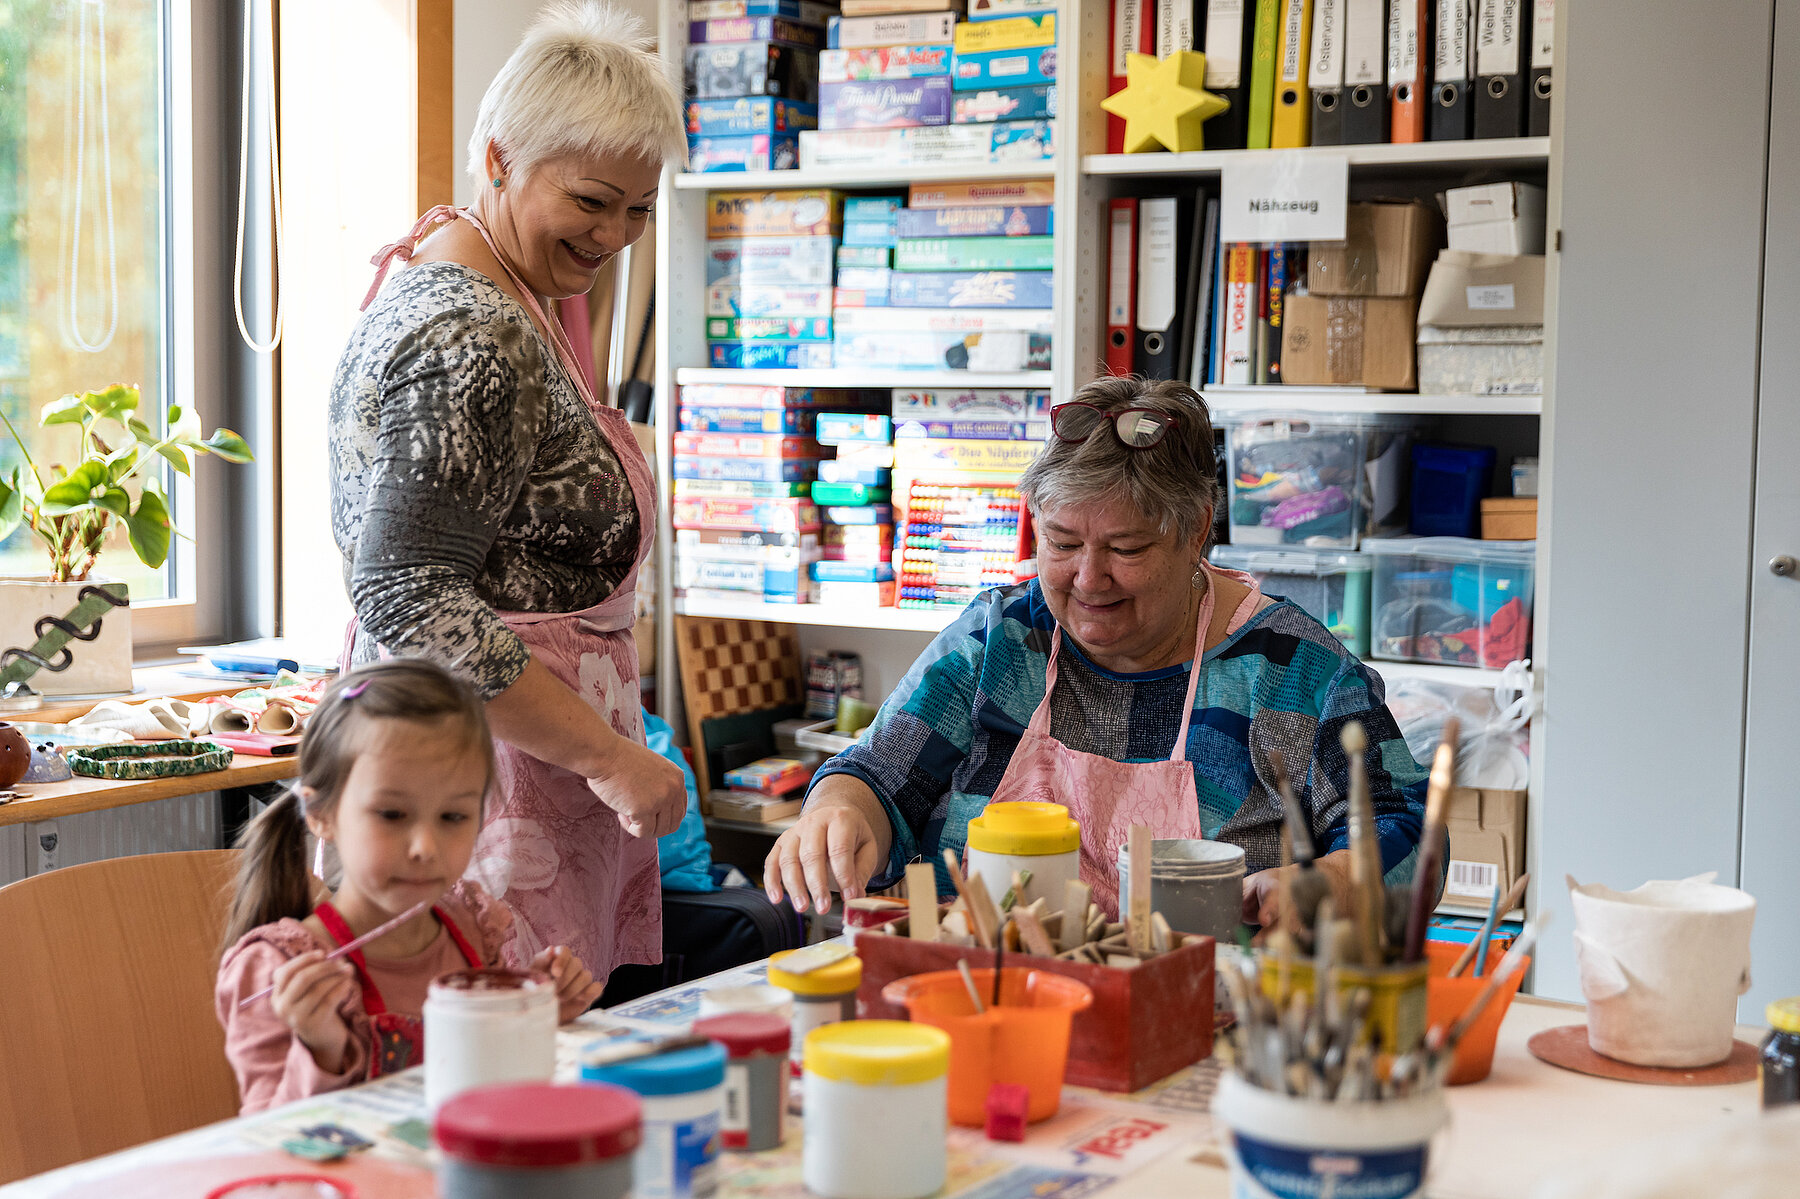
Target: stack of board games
column 956, row 278
column 769, row 277
column 854, row 496
column 935, row 82
column 745, row 456
column 752, row 81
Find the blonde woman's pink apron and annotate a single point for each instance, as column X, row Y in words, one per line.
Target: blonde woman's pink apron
column 550, row 847
column 1108, row 797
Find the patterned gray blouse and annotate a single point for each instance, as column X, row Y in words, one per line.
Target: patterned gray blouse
column 467, row 476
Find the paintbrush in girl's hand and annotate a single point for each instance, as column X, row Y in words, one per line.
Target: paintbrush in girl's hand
column 1431, row 843
column 353, row 946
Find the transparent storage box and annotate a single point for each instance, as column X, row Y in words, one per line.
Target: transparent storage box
column 1317, row 481
column 1452, row 600
column 1331, row 586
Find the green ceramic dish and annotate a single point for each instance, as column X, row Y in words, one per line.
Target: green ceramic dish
column 148, row 759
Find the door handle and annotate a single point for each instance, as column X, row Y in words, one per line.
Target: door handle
column 1784, row 565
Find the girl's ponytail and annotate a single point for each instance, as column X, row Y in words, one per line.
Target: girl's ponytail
column 272, row 879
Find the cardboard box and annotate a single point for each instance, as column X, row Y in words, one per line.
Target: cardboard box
column 1487, row 843
column 814, row 212
column 1509, row 518
column 1329, row 341
column 724, row 70
column 1496, row 218
column 1387, row 250
column 1467, row 290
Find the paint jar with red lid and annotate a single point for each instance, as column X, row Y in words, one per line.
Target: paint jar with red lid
column 538, row 1141
column 753, row 1117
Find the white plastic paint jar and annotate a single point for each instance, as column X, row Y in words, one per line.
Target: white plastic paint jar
column 823, row 996
column 1026, row 836
column 537, row 1141
column 488, row 1026
column 876, row 1110
column 682, row 1093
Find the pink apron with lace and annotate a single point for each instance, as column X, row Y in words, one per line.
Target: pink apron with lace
column 1108, row 797
column 550, row 847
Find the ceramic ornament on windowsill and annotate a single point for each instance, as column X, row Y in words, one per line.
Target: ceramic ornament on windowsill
column 68, row 632
column 1164, row 103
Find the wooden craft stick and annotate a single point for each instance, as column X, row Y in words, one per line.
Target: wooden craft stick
column 1031, row 932
column 962, row 965
column 1369, row 897
column 1076, row 897
column 921, row 901
column 982, row 912
column 1137, row 921
column 1162, row 937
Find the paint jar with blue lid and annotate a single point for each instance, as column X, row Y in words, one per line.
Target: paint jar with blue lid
column 682, row 1093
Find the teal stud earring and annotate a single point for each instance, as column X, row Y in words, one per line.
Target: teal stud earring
column 496, row 182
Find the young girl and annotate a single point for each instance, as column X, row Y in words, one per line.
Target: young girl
column 393, row 769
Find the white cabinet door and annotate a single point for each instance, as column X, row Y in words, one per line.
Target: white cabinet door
column 1771, row 823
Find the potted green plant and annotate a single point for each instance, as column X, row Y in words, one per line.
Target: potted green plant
column 74, row 509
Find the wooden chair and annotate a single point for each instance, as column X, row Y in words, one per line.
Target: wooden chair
column 107, row 1032
column 732, row 668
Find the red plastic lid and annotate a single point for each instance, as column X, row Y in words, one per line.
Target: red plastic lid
column 744, row 1033
column 538, row 1124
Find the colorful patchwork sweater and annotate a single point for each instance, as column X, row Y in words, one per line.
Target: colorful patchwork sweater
column 942, row 741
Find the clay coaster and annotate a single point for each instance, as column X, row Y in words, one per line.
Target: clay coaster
column 1568, row 1048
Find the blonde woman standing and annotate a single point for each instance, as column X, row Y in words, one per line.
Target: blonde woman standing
column 491, row 513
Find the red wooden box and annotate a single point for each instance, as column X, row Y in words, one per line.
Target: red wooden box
column 1144, row 1024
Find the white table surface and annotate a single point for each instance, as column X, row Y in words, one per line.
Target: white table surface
column 1524, row 1123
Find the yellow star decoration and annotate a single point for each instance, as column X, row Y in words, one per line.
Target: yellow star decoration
column 1164, row 103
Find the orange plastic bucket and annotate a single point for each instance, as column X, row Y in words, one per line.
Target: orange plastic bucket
column 1024, row 1041
column 1447, row 998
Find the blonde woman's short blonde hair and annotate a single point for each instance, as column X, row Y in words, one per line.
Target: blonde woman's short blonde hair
column 584, row 80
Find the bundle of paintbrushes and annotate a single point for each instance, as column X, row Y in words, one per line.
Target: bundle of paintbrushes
column 1330, row 1042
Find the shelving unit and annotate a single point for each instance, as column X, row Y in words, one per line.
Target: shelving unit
column 1086, row 179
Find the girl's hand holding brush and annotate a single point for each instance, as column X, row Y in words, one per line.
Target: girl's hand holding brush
column 308, row 990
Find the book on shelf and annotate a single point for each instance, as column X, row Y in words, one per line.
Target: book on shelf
column 752, row 807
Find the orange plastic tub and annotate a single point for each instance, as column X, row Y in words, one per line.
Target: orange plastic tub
column 1447, row 998
column 1024, row 1041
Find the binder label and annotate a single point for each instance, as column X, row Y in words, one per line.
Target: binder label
column 1224, row 45
column 1403, row 42
column 1543, row 34
column 1327, row 70
column 1156, row 263
column 1365, row 29
column 1284, row 196
column 1493, row 297
column 1292, row 55
column 1497, row 38
column 1126, row 14
column 1118, row 283
column 1452, row 58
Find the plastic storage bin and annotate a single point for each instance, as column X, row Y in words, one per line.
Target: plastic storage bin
column 1448, row 483
column 1331, row 586
column 1317, row 481
column 1452, row 600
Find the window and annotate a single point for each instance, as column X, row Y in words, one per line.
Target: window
column 84, row 286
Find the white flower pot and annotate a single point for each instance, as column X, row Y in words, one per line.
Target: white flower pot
column 101, row 665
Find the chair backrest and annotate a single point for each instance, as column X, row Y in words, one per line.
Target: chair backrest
column 107, row 1032
column 731, row 667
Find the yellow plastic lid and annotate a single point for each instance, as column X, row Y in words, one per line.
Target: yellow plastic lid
column 878, row 1053
column 835, row 979
column 1784, row 1015
column 1024, row 829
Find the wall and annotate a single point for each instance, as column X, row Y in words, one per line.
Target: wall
column 486, row 33
column 1650, row 438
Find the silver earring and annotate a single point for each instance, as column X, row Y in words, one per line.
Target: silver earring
column 1199, row 579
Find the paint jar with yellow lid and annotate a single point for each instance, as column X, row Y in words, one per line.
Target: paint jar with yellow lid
column 877, row 1110
column 822, row 995
column 1041, row 838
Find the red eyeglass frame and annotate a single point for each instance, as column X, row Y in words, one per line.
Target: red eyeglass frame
column 1110, row 420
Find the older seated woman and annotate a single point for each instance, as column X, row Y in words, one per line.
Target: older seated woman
column 1131, row 681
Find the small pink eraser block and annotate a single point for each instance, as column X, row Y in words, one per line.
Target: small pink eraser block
column 1007, row 1103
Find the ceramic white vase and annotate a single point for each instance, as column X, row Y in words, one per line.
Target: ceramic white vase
column 1662, row 967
